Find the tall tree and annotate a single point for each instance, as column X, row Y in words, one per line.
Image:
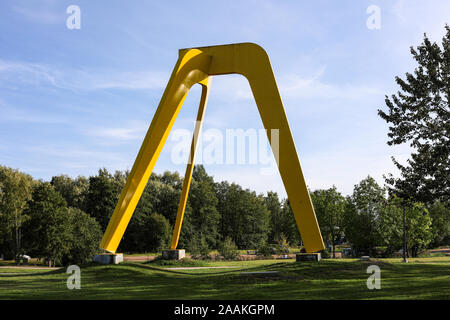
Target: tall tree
column 288, row 225
column 15, row 191
column 361, row 215
column 244, row 215
column 273, row 204
column 329, row 206
column 74, row 191
column 420, row 114
column 102, row 197
column 48, row 231
column 440, row 216
column 203, row 201
column 85, row 237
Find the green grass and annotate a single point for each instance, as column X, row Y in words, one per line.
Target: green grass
column 422, row 278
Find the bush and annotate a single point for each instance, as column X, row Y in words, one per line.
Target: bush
column 282, row 245
column 198, row 247
column 228, row 249
column 325, row 254
column 265, row 250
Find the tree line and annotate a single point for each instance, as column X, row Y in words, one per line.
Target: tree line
column 62, row 221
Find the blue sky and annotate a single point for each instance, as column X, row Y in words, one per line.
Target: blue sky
column 72, row 101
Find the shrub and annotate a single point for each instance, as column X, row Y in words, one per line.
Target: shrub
column 265, row 250
column 228, row 249
column 325, row 254
column 198, row 247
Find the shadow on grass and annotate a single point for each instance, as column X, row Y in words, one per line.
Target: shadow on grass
column 304, row 280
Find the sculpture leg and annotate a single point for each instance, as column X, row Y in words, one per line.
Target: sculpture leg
column 190, row 165
column 187, row 72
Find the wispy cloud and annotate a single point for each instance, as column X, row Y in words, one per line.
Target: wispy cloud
column 133, row 131
column 36, row 74
column 16, row 114
column 42, row 14
column 295, row 86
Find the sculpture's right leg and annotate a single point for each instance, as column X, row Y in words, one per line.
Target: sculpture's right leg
column 190, row 165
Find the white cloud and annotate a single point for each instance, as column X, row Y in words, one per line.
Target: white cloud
column 11, row 114
column 36, row 74
column 41, row 14
column 133, row 131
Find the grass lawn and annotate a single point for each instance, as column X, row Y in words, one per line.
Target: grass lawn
column 422, row 278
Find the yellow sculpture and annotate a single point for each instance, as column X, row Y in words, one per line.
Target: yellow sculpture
column 197, row 65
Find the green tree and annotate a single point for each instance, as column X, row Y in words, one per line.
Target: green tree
column 204, row 217
column 391, row 225
column 15, row 191
column 74, row 191
column 244, row 216
column 273, row 204
column 228, row 249
column 85, row 237
column 288, row 225
column 48, row 231
column 361, row 214
column 156, row 233
column 418, row 227
column 329, row 206
column 102, row 197
column 420, row 114
column 440, row 216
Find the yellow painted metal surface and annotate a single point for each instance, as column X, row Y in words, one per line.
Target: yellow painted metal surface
column 190, row 166
column 197, row 65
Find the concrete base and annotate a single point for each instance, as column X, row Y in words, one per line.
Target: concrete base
column 364, row 258
column 176, row 254
column 308, row 257
column 108, row 258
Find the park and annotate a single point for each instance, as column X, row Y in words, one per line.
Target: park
column 138, row 229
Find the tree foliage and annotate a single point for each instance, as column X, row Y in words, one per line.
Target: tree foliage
column 420, row 114
column 329, row 206
column 15, row 191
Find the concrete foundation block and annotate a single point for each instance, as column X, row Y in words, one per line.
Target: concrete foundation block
column 108, row 258
column 176, row 254
column 308, row 257
column 364, row 258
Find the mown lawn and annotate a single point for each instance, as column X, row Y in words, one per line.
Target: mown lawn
column 427, row 278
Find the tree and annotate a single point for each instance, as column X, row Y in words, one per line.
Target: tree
column 48, row 231
column 244, row 216
column 418, row 227
column 102, row 197
column 228, row 249
column 204, row 217
column 273, row 205
column 74, row 191
column 15, row 191
column 287, row 225
column 391, row 225
column 156, row 233
column 440, row 217
column 361, row 215
column 420, row 114
column 329, row 206
column 85, row 237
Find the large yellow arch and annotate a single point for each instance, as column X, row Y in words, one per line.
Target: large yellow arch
column 197, row 65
